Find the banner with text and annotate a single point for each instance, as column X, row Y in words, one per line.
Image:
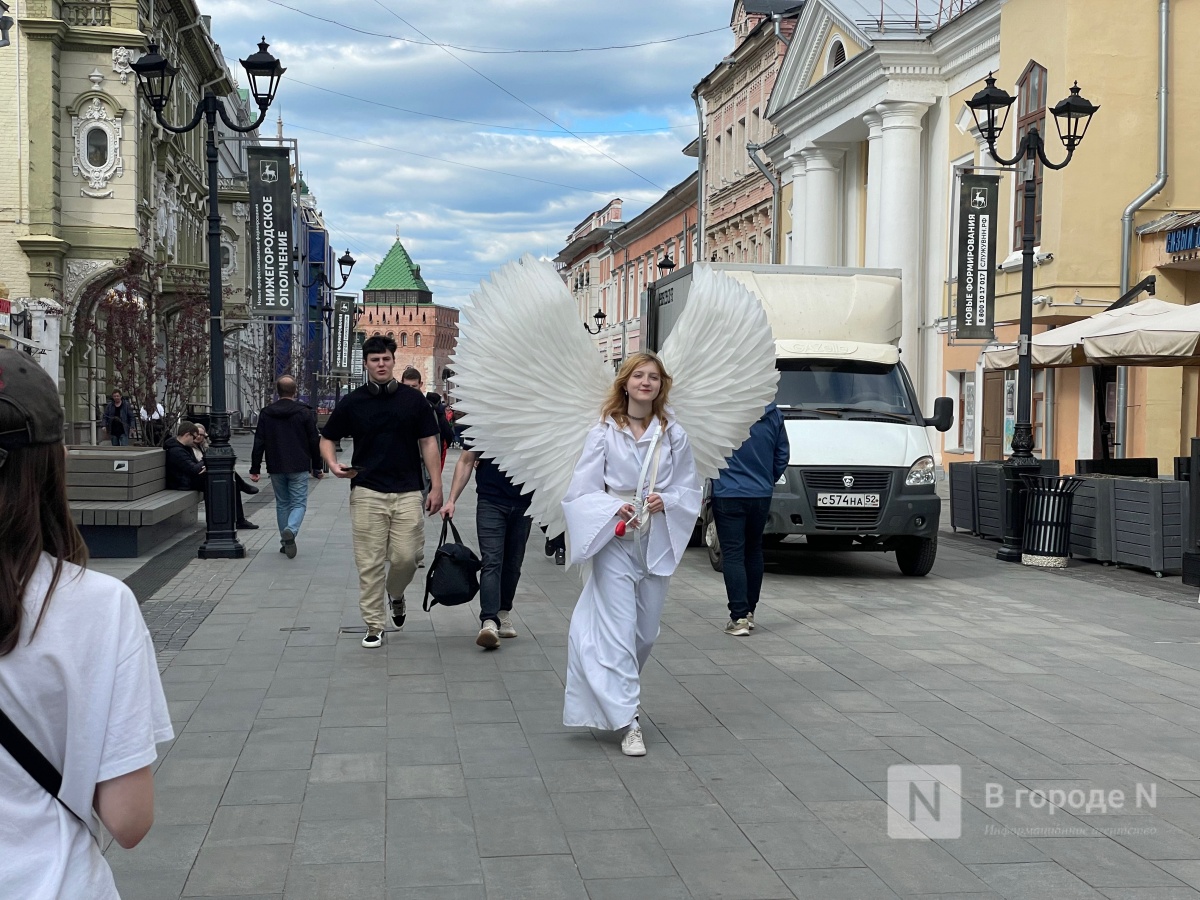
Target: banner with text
column 977, row 238
column 343, row 333
column 270, row 231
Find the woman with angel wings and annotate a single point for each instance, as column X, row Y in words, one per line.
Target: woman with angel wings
column 611, row 462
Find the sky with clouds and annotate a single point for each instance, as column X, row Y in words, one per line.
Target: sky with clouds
column 479, row 157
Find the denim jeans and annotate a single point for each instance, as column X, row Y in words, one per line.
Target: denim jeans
column 503, row 532
column 740, row 522
column 291, row 500
column 120, row 440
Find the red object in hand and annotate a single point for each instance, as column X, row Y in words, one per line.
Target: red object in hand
column 619, row 531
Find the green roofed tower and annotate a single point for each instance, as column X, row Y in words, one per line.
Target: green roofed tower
column 397, row 280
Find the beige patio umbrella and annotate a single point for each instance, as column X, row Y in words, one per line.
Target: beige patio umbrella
column 1148, row 337
column 1064, row 346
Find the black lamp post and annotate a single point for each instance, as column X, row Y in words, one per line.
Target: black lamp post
column 599, row 316
column 345, row 267
column 156, row 76
column 1071, row 117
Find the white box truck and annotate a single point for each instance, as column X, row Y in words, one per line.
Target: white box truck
column 861, row 474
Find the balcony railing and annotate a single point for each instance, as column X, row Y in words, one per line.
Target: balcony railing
column 91, row 14
column 923, row 19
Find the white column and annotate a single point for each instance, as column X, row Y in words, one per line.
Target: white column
column 821, row 206
column 900, row 217
column 799, row 188
column 874, row 171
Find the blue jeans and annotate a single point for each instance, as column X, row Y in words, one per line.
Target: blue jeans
column 120, row 440
column 740, row 522
column 291, row 500
column 503, row 532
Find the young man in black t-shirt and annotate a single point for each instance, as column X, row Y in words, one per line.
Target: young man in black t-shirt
column 394, row 429
column 502, row 525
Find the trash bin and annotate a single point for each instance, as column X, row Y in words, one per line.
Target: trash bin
column 1047, row 539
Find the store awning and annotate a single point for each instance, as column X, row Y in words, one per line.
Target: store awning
column 1148, row 337
column 1064, row 346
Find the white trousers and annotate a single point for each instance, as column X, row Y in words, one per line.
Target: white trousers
column 613, row 628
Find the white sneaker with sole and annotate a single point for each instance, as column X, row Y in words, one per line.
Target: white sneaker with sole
column 750, row 619
column 373, row 640
column 633, row 744
column 738, row 627
column 507, row 629
column 489, row 635
column 398, row 610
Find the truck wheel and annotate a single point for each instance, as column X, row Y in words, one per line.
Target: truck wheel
column 712, row 542
column 915, row 556
column 829, row 542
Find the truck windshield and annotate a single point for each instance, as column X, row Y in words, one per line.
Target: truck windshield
column 845, row 387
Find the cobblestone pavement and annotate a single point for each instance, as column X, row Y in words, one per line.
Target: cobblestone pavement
column 307, row 767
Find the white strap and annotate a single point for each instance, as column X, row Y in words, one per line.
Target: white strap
column 649, row 465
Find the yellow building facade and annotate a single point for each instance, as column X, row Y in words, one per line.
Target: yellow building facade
column 1112, row 49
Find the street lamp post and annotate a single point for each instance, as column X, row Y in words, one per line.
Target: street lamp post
column 1074, row 115
column 345, row 267
column 155, row 76
column 599, row 316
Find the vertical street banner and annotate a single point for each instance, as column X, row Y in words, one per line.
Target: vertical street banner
column 977, row 236
column 343, row 334
column 270, row 231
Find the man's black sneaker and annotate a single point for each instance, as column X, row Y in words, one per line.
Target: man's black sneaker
column 289, row 543
column 398, row 609
column 560, row 557
column 245, row 525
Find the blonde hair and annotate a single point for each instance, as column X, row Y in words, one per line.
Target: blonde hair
column 617, row 402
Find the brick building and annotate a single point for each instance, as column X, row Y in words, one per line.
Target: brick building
column 398, row 303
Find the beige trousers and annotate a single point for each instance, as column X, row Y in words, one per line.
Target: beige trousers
column 387, row 529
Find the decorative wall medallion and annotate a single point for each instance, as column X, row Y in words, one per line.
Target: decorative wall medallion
column 241, row 210
column 97, row 133
column 79, row 271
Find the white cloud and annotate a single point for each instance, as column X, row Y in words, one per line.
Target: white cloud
column 458, row 216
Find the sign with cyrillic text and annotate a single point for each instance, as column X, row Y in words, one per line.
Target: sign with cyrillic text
column 977, row 237
column 343, row 333
column 270, row 231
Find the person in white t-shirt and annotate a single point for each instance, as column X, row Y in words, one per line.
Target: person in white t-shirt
column 78, row 676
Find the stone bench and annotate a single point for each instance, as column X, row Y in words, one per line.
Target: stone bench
column 119, row 500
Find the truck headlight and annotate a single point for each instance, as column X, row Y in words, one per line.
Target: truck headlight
column 921, row 472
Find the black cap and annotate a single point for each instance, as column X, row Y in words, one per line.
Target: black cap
column 30, row 409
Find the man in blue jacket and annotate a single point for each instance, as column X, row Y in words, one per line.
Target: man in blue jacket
column 741, row 501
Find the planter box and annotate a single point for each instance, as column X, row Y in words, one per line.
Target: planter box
column 991, row 508
column 114, row 473
column 1092, row 518
column 1148, row 523
column 962, row 496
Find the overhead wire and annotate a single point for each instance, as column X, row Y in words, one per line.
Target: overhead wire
column 414, row 112
column 501, row 87
column 493, row 50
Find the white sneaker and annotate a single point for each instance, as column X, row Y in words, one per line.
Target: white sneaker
column 633, row 744
column 373, row 640
column 738, row 627
column 750, row 620
column 507, row 630
column 489, row 635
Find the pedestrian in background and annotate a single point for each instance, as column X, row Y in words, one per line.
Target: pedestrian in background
column 118, row 420
column 741, row 503
column 394, row 430
column 502, row 527
column 199, row 448
column 287, row 435
column 153, row 426
column 184, row 471
column 78, row 676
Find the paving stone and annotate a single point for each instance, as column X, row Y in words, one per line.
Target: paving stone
column 237, row 826
column 533, row 878
column 634, row 853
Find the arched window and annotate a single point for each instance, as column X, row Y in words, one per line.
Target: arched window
column 391, row 334
column 417, row 338
column 837, row 56
column 97, row 147
column 404, row 339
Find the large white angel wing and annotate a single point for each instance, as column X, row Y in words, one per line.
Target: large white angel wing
column 721, row 358
column 529, row 380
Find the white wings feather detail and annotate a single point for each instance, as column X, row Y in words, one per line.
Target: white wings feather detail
column 721, row 357
column 529, row 380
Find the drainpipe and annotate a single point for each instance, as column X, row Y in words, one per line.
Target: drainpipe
column 752, row 149
column 1164, row 32
column 778, row 34
column 699, row 175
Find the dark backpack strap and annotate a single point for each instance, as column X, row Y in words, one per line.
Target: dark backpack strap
column 32, row 761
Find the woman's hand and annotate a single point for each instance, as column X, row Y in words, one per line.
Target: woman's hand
column 654, row 503
column 628, row 515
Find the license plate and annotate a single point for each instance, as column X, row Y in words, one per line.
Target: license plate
column 869, row 501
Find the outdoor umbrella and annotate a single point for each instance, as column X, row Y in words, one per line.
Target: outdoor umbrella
column 1148, row 336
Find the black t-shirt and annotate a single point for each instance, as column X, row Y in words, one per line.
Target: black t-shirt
column 492, row 484
column 385, row 428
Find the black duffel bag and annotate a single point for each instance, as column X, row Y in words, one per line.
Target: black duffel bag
column 453, row 576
